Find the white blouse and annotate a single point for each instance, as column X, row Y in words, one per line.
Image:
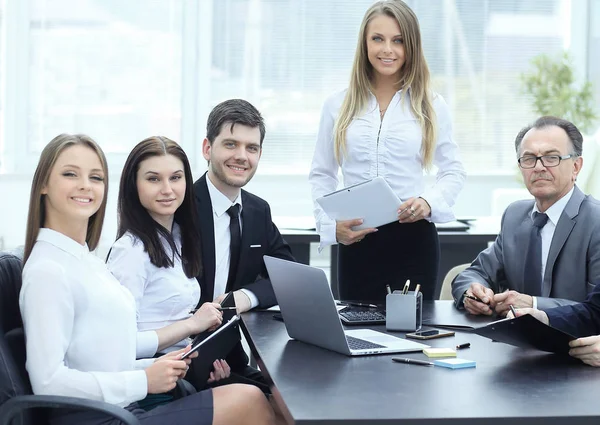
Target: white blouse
column 388, row 147
column 163, row 295
column 79, row 325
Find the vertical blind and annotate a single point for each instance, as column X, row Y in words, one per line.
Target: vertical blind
column 113, row 69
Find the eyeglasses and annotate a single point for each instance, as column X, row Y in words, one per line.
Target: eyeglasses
column 529, row 161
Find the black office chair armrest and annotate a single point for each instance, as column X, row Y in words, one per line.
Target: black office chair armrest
column 182, row 389
column 20, row 404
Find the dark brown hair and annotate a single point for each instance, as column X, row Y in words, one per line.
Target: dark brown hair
column 134, row 218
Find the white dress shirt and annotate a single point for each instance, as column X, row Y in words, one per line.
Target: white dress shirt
column 220, row 204
column 547, row 232
column 79, row 325
column 388, row 147
column 163, row 295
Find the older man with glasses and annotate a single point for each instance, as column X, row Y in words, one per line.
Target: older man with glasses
column 548, row 251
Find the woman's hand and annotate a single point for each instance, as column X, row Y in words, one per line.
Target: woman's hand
column 166, row 370
column 222, row 371
column 346, row 236
column 413, row 209
column 206, row 317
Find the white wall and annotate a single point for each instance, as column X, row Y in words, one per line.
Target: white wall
column 287, row 195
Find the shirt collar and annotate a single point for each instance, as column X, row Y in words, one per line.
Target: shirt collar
column 220, row 203
column 556, row 210
column 63, row 242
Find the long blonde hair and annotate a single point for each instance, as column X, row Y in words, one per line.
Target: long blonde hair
column 415, row 76
column 37, row 209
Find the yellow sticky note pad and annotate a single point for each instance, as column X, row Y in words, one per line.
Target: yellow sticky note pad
column 439, row 352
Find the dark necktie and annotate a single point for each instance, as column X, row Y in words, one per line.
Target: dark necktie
column 235, row 244
column 533, row 261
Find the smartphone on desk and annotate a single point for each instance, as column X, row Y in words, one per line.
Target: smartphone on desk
column 429, row 334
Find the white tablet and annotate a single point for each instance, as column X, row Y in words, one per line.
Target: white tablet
column 373, row 200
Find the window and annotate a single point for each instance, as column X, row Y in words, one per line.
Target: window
column 121, row 71
column 2, row 85
column 107, row 68
column 287, row 56
column 593, row 58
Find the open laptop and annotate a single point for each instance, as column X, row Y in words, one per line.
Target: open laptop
column 310, row 314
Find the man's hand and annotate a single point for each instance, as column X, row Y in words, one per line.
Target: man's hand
column 504, row 300
column 346, row 236
column 242, row 301
column 486, row 297
column 538, row 314
column 586, row 349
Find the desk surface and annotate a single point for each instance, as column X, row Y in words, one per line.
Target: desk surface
column 316, row 386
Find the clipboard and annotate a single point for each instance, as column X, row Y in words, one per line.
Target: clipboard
column 373, row 200
column 527, row 332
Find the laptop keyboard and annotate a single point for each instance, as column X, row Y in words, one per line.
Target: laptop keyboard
column 361, row 344
column 362, row 316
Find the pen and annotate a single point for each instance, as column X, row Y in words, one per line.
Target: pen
column 513, row 311
column 472, row 297
column 357, row 304
column 389, row 290
column 411, row 361
column 406, row 286
column 465, row 345
column 417, row 289
column 218, row 308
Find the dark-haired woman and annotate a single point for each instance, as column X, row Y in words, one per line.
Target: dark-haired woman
column 156, row 255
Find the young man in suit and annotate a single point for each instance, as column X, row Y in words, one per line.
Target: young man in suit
column 236, row 226
column 581, row 320
column 548, row 251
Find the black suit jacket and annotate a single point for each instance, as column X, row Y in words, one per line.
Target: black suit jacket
column 579, row 320
column 260, row 237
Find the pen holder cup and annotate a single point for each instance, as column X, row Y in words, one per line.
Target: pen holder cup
column 404, row 312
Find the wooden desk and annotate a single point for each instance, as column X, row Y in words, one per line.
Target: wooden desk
column 455, row 247
column 509, row 385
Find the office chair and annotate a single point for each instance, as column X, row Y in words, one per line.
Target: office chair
column 17, row 403
column 446, row 292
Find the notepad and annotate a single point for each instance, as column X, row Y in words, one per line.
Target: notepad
column 455, row 363
column 439, row 352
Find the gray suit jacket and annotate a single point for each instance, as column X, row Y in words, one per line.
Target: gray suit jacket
column 573, row 265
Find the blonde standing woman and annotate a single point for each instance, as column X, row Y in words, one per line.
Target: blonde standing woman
column 80, row 324
column 388, row 123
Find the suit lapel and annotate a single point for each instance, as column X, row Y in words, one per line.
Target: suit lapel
column 207, row 237
column 565, row 225
column 247, row 231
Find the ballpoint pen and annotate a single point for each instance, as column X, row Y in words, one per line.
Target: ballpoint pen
column 411, row 361
column 513, row 311
column 388, row 289
column 218, row 308
column 417, row 289
column 406, row 286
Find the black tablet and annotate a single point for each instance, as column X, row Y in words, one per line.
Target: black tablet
column 197, row 344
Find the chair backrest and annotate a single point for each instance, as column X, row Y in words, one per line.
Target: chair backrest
column 14, row 380
column 446, row 292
